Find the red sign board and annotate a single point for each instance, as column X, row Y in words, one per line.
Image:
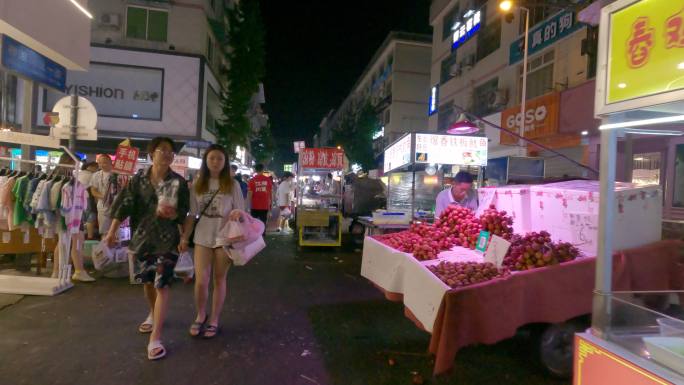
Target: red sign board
column 330, row 158
column 126, row 158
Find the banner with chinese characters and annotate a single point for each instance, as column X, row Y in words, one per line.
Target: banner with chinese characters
column 646, row 50
column 541, row 118
column 555, row 28
column 321, row 158
column 126, row 159
column 451, row 149
column 398, row 154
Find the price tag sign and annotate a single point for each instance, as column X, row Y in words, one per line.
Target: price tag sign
column 496, row 251
column 482, row 241
column 6, row 237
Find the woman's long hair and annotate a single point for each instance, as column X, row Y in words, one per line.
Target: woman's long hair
column 225, row 180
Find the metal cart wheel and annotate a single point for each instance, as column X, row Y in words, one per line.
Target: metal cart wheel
column 556, row 347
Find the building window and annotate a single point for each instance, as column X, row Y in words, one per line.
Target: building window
column 539, row 76
column 538, row 14
column 489, row 39
column 448, row 22
column 210, row 50
column 146, row 23
column 387, row 116
column 448, row 70
column 482, row 97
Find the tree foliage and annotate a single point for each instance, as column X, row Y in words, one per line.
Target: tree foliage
column 263, row 146
column 355, row 134
column 244, row 30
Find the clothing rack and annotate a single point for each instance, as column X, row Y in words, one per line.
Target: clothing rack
column 12, row 284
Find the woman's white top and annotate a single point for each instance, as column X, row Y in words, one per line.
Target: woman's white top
column 216, row 214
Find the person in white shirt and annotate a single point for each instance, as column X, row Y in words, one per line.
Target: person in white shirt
column 461, row 193
column 285, row 197
column 99, row 184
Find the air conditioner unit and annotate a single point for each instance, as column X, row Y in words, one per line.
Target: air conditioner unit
column 497, row 98
column 468, row 62
column 110, row 20
column 455, row 69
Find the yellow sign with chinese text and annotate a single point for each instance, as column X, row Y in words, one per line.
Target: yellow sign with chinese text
column 646, row 50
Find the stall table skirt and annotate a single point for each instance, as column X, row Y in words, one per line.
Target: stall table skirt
column 492, row 311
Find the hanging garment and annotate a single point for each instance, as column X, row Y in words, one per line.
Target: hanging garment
column 19, row 190
column 73, row 205
column 8, row 200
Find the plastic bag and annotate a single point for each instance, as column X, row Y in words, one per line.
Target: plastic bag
column 103, row 256
column 240, row 233
column 185, row 268
column 167, row 198
column 241, row 256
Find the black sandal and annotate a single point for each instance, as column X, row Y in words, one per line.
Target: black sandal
column 198, row 327
column 210, row 331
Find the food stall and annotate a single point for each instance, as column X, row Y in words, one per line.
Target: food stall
column 319, row 199
column 419, row 165
column 637, row 333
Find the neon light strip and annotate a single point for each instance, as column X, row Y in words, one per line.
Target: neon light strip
column 80, row 7
column 643, row 122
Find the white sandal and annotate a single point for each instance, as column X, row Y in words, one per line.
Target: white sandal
column 155, row 345
column 147, row 325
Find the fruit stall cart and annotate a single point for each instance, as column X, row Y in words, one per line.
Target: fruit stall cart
column 637, row 332
column 319, row 199
column 418, row 165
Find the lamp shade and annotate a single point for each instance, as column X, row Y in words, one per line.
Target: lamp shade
column 462, row 127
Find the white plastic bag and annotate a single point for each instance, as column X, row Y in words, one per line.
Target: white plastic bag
column 103, row 256
column 243, row 255
column 185, row 268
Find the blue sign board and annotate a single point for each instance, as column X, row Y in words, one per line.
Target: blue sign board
column 465, row 29
column 553, row 29
column 433, row 102
column 27, row 62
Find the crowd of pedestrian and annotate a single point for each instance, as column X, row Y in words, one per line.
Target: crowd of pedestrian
column 170, row 215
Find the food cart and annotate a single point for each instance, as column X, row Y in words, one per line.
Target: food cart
column 637, row 332
column 419, row 165
column 319, row 198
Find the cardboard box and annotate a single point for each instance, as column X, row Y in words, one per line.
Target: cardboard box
column 569, row 211
column 514, row 199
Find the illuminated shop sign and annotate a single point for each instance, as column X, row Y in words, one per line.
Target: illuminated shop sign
column 466, row 28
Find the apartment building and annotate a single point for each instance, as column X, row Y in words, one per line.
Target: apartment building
column 396, row 81
column 477, row 67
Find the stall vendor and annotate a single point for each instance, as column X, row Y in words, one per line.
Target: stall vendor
column 461, row 193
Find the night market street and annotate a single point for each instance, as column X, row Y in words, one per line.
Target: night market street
column 268, row 332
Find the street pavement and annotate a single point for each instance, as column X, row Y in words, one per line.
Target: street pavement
column 88, row 335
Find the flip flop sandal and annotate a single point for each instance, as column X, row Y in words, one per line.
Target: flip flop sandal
column 196, row 327
column 161, row 353
column 147, row 325
column 210, row 331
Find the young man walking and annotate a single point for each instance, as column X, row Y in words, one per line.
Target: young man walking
column 260, row 194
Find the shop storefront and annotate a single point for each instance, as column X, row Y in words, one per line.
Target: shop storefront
column 140, row 94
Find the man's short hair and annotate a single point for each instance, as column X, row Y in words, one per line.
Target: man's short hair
column 259, row 167
column 234, row 167
column 463, row 177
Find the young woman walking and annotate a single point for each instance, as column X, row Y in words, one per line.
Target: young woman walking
column 157, row 201
column 215, row 198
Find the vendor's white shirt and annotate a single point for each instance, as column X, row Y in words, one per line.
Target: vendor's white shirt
column 445, row 198
column 100, row 181
column 285, row 190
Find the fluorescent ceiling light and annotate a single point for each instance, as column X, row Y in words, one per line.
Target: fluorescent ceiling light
column 585, row 133
column 79, row 6
column 680, row 66
column 637, row 131
column 643, row 122
column 639, row 159
column 622, row 85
